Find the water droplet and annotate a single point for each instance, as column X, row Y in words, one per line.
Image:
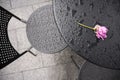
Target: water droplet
column 85, row 50
column 88, row 43
column 84, row 14
column 94, row 44
column 94, row 17
column 73, row 12
column 72, row 41
column 81, row 46
column 60, row 11
column 76, row 4
column 91, row 5
column 68, row 8
column 79, row 17
column 66, row 14
column 114, row 2
column 100, row 11
column 85, row 29
column 79, row 31
column 96, row 22
column 78, row 50
column 109, row 15
column 107, row 1
column 111, row 35
column 82, row 21
column 104, row 50
column 118, row 45
column 81, row 2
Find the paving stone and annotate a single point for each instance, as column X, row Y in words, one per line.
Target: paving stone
column 21, row 3
column 6, row 4
column 16, row 76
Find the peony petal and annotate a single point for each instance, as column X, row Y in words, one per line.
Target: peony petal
column 101, row 32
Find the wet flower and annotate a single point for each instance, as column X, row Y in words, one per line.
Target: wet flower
column 101, row 31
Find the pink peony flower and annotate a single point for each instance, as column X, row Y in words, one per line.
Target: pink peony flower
column 101, row 32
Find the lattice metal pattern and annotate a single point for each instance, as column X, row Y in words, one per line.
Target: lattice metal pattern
column 7, row 52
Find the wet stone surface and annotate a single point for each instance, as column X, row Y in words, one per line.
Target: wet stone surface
column 89, row 71
column 91, row 12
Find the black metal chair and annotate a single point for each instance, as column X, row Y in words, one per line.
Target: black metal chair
column 7, row 52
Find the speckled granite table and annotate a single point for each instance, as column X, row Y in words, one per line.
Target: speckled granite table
column 91, row 12
column 90, row 71
column 42, row 31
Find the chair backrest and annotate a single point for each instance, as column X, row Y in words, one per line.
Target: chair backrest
column 7, row 51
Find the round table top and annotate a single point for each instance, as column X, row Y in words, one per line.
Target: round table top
column 42, row 31
column 104, row 53
column 90, row 71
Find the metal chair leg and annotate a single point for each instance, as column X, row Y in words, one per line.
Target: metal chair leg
column 75, row 62
column 24, row 21
column 31, row 51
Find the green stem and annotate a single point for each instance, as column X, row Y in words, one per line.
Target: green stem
column 86, row 26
